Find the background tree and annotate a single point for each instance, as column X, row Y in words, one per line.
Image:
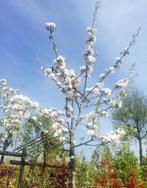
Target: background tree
column 133, row 117
column 104, row 151
column 22, row 120
column 124, row 162
column 36, row 131
column 118, row 166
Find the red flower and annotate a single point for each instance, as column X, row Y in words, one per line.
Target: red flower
column 132, row 182
column 111, row 174
column 106, row 163
column 140, row 186
column 116, row 183
column 101, row 180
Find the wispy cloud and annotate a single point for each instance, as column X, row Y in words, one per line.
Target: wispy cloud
column 31, row 9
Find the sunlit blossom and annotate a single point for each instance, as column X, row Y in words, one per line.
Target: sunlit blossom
column 50, row 26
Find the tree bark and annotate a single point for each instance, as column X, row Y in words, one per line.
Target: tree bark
column 2, row 157
column 72, row 167
column 72, row 161
column 140, row 152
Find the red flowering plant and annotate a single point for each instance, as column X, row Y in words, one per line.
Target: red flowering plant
column 107, row 175
column 133, row 180
column 60, row 176
column 6, row 175
column 127, row 168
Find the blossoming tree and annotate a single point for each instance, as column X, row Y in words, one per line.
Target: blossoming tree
column 84, row 104
column 16, row 111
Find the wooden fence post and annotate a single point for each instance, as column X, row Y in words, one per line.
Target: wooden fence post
column 21, row 172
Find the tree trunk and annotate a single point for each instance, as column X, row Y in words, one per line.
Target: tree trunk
column 6, row 144
column 2, row 157
column 72, row 167
column 72, row 161
column 140, row 152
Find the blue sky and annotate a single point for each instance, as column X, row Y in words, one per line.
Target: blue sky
column 23, row 36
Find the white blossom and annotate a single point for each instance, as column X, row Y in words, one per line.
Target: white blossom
column 116, row 103
column 92, row 90
column 104, row 113
column 90, row 59
column 126, row 51
column 122, row 83
column 107, row 91
column 3, row 82
column 111, row 69
column 58, row 158
column 118, row 62
column 89, row 117
column 50, row 26
column 89, row 50
column 62, row 138
column 101, row 76
column 83, row 68
column 113, row 136
column 90, row 132
column 65, row 79
column 99, row 85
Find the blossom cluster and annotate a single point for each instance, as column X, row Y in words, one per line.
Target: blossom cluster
column 122, row 83
column 59, row 130
column 113, row 136
column 17, row 109
column 50, row 26
column 66, row 80
column 100, row 90
column 89, row 51
column 15, row 103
